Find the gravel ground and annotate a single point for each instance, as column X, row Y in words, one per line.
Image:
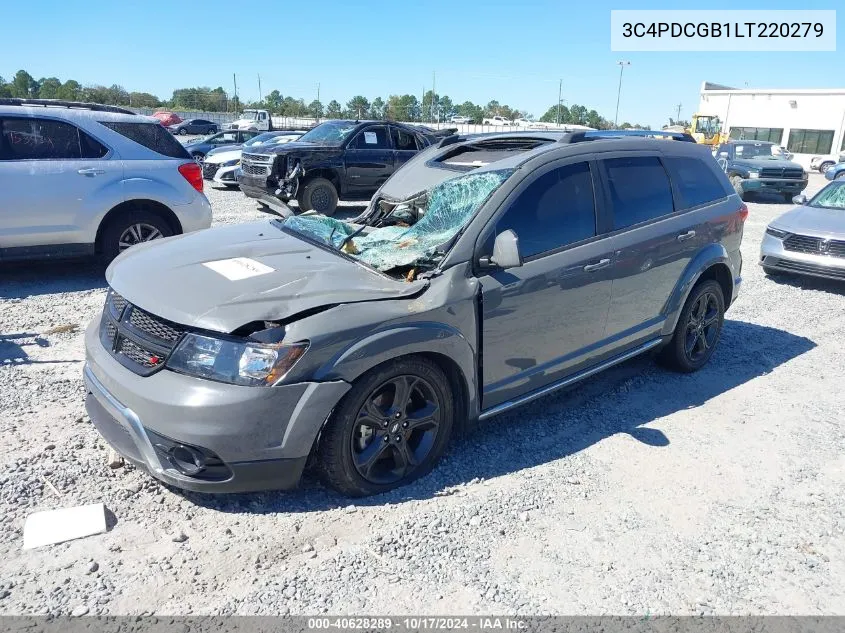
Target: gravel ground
column 641, row 491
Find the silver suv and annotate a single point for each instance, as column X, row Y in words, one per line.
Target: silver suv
column 487, row 272
column 85, row 179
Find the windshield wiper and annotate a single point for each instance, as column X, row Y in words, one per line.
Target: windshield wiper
column 348, row 238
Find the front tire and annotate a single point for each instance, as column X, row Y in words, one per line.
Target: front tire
column 318, row 195
column 132, row 227
column 183, row 132
column 698, row 330
column 736, row 181
column 389, row 429
column 788, row 196
column 825, row 166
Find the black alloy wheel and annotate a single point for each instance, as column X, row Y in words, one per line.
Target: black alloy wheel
column 698, row 329
column 389, row 429
column 395, row 430
column 702, row 326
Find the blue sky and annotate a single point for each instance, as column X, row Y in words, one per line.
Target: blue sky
column 479, row 50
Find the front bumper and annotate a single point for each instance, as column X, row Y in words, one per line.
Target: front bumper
column 262, row 435
column 775, row 257
column 226, row 176
column 264, row 195
column 776, row 185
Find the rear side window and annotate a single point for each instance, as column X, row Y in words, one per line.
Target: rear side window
column 695, row 181
column 91, row 148
column 639, row 190
column 555, row 210
column 151, row 135
column 402, row 140
column 39, row 139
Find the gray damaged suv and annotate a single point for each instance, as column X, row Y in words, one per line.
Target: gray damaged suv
column 485, row 273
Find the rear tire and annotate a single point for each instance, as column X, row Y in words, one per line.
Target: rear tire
column 379, row 439
column 183, row 132
column 129, row 228
column 825, row 166
column 698, row 330
column 318, row 195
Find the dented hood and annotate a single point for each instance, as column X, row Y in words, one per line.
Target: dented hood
column 220, row 279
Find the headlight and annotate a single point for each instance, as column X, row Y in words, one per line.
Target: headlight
column 753, row 174
column 236, row 362
column 776, row 233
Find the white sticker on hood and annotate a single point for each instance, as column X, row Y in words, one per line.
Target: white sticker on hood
column 238, row 268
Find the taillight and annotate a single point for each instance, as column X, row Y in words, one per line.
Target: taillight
column 743, row 212
column 193, row 174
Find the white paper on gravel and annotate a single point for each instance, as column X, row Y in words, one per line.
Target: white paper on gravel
column 238, row 268
column 57, row 526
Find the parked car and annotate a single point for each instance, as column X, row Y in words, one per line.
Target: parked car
column 194, row 126
column 757, row 167
column 84, row 179
column 167, row 118
column 825, row 162
column 221, row 165
column 496, row 121
column 809, row 239
column 336, row 160
column 836, row 172
column 522, row 122
column 198, row 148
column 460, row 119
column 225, row 361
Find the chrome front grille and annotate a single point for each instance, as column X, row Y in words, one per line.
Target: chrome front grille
column 138, row 340
column 257, row 164
column 814, row 245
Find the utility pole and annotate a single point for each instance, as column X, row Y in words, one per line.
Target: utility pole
column 559, row 95
column 318, row 100
column 622, row 63
column 260, row 97
column 433, row 92
column 679, row 114
column 235, row 80
column 422, row 101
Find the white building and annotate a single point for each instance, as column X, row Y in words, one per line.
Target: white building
column 807, row 122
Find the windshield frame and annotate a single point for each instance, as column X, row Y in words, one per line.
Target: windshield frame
column 813, row 202
column 742, row 155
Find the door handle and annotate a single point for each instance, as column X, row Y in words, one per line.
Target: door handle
column 602, row 263
column 90, row 171
column 683, row 237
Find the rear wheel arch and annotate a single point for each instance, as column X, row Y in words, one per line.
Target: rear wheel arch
column 126, row 208
column 711, row 263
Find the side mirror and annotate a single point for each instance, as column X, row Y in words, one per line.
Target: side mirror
column 506, row 250
column 800, row 199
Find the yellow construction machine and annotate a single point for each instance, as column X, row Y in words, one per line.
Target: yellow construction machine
column 707, row 129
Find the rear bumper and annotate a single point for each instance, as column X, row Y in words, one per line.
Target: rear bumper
column 256, row 438
column 195, row 215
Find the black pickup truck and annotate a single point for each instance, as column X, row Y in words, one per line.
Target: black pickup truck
column 336, row 160
column 755, row 166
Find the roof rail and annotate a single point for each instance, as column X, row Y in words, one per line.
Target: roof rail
column 58, row 103
column 595, row 135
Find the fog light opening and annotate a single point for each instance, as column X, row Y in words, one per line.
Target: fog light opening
column 187, row 460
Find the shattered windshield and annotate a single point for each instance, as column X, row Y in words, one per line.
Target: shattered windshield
column 329, row 133
column 831, row 197
column 417, row 232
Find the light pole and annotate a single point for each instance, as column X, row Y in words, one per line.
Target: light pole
column 621, row 63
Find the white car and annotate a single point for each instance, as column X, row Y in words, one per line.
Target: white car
column 823, row 163
column 523, row 122
column 82, row 179
column 220, row 166
column 460, row 119
column 496, row 121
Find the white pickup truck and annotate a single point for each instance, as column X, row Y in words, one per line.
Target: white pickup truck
column 496, row 121
column 256, row 120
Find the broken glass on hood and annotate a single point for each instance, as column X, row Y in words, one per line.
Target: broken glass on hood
column 422, row 230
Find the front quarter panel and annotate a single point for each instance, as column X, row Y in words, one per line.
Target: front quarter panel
column 350, row 339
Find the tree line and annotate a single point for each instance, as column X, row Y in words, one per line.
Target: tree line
column 431, row 107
